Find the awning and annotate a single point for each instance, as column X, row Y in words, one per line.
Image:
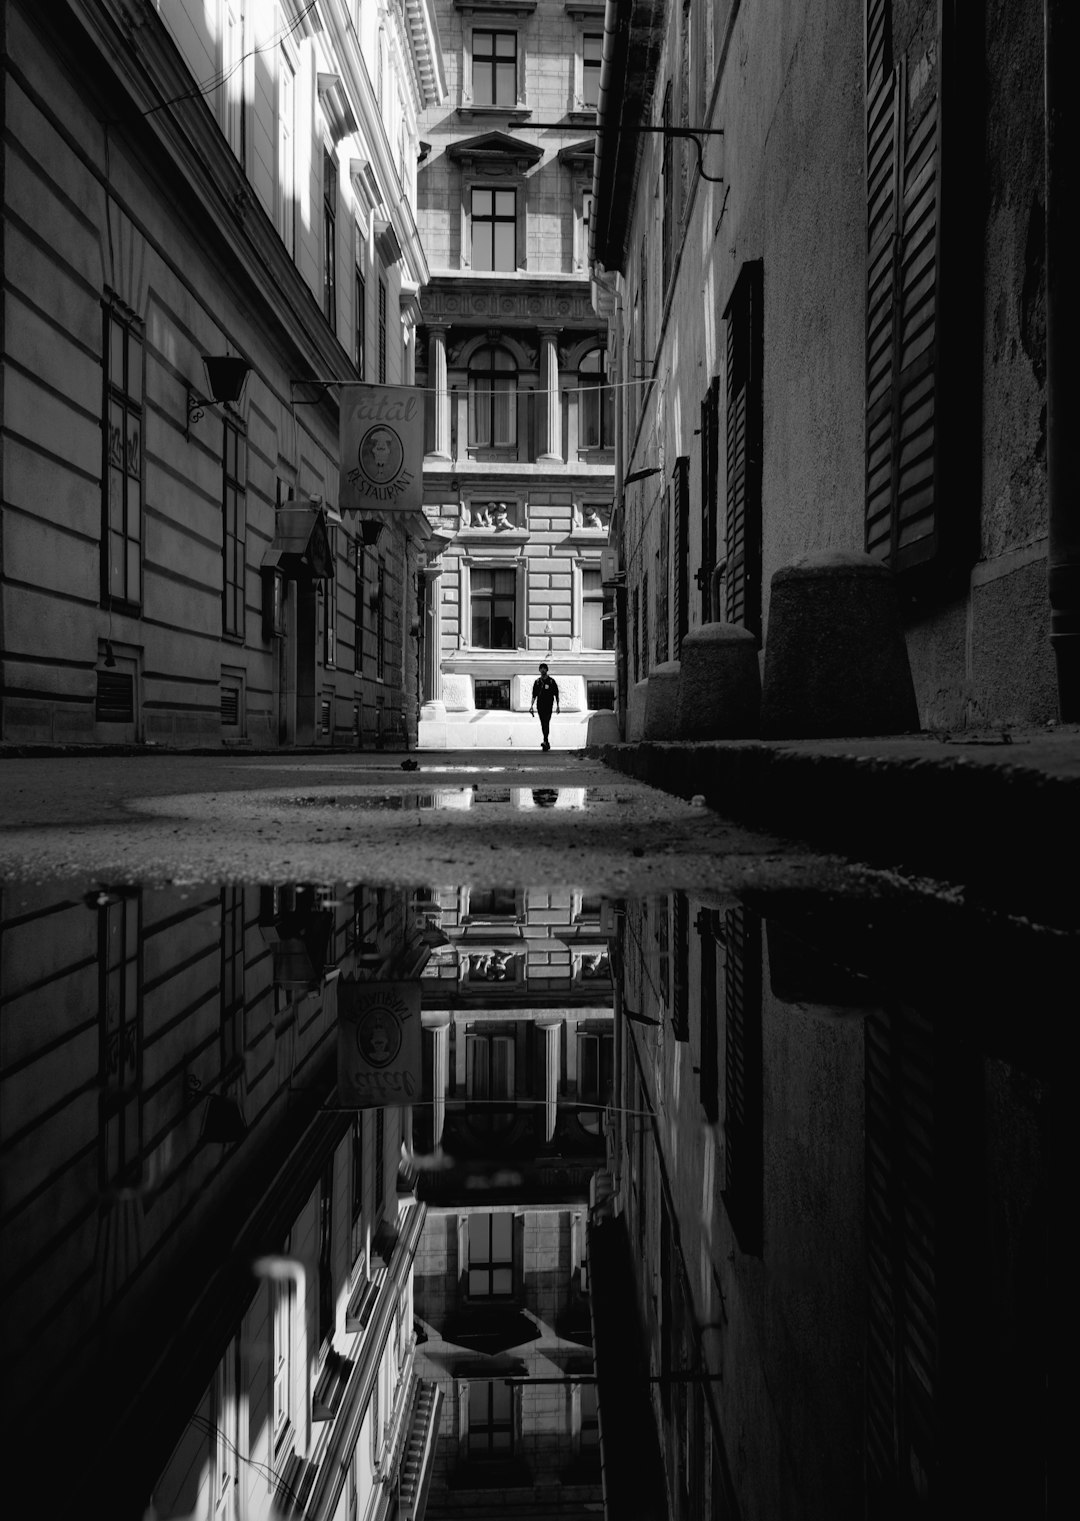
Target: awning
column 301, row 541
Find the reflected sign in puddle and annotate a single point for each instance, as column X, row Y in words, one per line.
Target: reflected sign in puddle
column 816, row 1139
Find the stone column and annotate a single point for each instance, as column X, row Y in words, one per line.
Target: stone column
column 437, row 379
column 432, row 635
column 549, row 370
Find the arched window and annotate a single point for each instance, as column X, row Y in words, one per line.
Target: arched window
column 595, row 401
column 492, row 398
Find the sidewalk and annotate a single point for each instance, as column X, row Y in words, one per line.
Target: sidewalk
column 995, row 814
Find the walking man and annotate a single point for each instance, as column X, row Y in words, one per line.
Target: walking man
column 545, row 692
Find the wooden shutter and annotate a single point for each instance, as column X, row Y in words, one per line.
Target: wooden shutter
column 743, row 1079
column 923, row 316
column 710, row 462
column 745, row 348
column 680, row 1002
column 901, row 1251
column 681, row 578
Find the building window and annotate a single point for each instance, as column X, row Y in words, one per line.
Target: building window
column 597, row 613
column 382, row 332
column 491, row 1424
column 330, row 190
column 123, row 423
column 667, row 229
column 358, row 613
column 234, row 76
column 357, row 1167
column 282, row 1291
column 226, row 1426
column 287, row 150
column 232, row 976
column 234, row 529
column 489, row 695
column 489, row 1071
column 494, row 68
column 359, row 321
column 493, row 599
column 645, row 624
column 119, row 1023
column 494, row 228
column 326, row 1253
column 592, row 47
column 644, row 365
column 491, row 1256
column 600, row 696
column 330, row 617
column 380, row 623
column 745, row 424
column 492, row 399
column 380, row 1166
column 596, row 402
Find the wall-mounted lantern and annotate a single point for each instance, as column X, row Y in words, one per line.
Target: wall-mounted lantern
column 226, row 375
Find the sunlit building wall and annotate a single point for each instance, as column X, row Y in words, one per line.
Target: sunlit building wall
column 235, row 180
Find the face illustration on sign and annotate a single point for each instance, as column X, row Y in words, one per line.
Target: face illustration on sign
column 378, row 1037
column 381, row 455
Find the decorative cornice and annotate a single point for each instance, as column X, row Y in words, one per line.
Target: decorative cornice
column 509, row 304
column 496, row 148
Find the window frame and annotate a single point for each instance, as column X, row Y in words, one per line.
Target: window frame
column 234, row 529
column 288, row 71
column 492, row 597
column 329, row 232
column 593, row 594
column 495, row 221
column 492, row 373
column 126, row 398
column 481, row 1272
column 494, row 59
column 604, row 402
column 586, row 69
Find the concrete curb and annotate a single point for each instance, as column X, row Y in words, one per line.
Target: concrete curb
column 1007, row 833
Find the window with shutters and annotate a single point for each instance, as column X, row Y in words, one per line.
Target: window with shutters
column 635, row 643
column 743, row 1079
column 710, row 468
column 115, row 700
column 680, row 578
column 330, row 613
column 680, row 969
column 382, row 332
column 923, row 331
column 742, row 525
column 709, row 1075
column 122, row 424
column 234, row 529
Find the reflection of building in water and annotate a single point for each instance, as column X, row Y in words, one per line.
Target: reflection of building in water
column 201, row 1254
column 518, row 1064
column 828, row 1210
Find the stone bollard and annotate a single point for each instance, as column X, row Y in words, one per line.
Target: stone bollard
column 719, row 684
column 635, row 709
column 836, row 662
column 602, row 729
column 661, row 700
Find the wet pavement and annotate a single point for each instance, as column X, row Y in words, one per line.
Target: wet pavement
column 789, row 1111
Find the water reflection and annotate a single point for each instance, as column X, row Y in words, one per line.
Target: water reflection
column 450, row 798
column 760, row 1188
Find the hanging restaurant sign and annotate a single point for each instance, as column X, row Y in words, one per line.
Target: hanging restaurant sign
column 378, row 1043
column 382, row 448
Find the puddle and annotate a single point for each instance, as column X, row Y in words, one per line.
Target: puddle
column 454, row 798
column 267, row 1150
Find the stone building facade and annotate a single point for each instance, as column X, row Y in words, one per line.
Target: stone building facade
column 518, row 473
column 787, row 389
column 234, row 181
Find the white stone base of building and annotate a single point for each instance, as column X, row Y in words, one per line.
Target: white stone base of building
column 499, row 730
